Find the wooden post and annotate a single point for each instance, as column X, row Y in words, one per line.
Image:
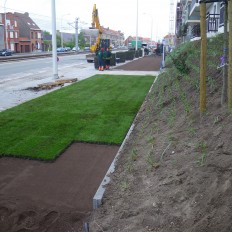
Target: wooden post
column 203, row 58
column 230, row 55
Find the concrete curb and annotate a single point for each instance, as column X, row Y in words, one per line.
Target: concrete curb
column 97, row 199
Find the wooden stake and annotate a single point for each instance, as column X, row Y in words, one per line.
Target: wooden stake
column 203, row 58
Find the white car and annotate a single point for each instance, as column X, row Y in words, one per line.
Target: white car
column 74, row 49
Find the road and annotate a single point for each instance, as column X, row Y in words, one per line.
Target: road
column 35, row 66
column 16, row 77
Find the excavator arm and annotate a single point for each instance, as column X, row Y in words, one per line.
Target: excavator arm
column 96, row 25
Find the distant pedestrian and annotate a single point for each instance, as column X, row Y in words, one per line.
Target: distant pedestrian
column 100, row 56
column 107, row 57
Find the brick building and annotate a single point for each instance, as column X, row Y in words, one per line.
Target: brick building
column 11, row 32
column 22, row 34
column 116, row 37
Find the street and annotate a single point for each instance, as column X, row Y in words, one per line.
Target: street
column 40, row 65
column 16, row 77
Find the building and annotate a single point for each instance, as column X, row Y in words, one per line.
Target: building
column 144, row 40
column 21, row 34
column 10, row 40
column 116, row 37
column 190, row 22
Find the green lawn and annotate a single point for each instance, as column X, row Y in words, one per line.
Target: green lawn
column 98, row 109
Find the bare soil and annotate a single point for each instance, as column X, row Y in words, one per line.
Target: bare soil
column 52, row 196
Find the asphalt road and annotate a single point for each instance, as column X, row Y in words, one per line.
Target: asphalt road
column 23, row 68
column 17, row 77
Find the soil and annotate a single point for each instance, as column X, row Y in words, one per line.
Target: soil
column 52, row 196
column 171, row 175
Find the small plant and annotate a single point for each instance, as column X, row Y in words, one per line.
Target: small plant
column 124, row 185
column 134, row 155
column 171, row 138
column 152, row 141
column 212, row 83
column 217, row 119
column 151, row 161
column 172, row 117
column 202, row 146
column 130, row 167
column 192, row 131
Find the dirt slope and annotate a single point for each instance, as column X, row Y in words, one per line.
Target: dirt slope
column 175, row 172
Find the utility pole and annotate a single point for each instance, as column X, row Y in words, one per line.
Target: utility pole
column 5, row 25
column 230, row 55
column 54, row 52
column 76, row 33
column 137, row 21
column 203, row 57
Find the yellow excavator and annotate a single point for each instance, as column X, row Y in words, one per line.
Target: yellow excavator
column 96, row 25
column 99, row 42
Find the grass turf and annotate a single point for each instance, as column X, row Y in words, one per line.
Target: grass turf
column 99, row 109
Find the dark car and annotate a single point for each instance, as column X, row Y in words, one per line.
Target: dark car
column 60, row 50
column 5, row 52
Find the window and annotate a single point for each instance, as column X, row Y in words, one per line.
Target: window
column 16, row 34
column 15, row 24
column 11, row 34
column 221, row 22
column 32, row 35
column 39, row 35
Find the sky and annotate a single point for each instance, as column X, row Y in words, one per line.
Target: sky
column 153, row 15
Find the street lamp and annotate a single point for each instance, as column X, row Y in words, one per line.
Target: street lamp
column 54, row 51
column 151, row 25
column 6, row 42
column 137, row 19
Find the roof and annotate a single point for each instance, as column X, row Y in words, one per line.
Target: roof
column 27, row 20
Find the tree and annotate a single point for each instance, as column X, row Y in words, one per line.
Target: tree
column 81, row 40
column 58, row 40
column 47, row 41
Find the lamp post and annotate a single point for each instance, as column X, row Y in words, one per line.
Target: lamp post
column 54, row 51
column 136, row 44
column 6, row 32
column 151, row 26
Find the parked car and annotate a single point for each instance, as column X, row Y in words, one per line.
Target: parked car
column 87, row 49
column 67, row 49
column 60, row 50
column 74, row 49
column 6, row 52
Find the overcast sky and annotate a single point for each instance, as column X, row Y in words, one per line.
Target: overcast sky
column 153, row 15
